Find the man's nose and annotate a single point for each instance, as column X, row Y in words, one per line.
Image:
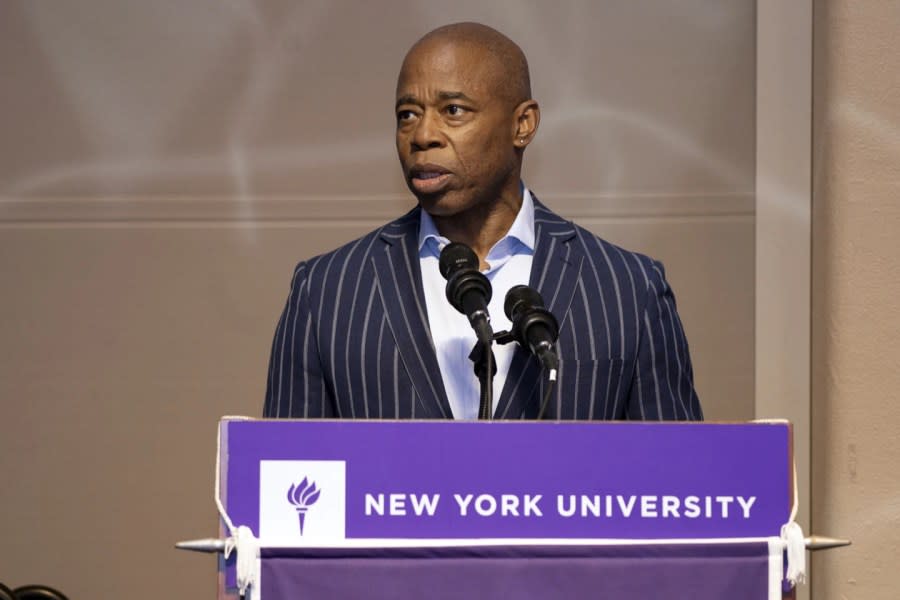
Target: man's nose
column 428, row 132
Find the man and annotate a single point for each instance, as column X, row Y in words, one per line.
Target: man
column 367, row 332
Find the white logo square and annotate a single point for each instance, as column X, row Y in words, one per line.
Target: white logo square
column 302, row 493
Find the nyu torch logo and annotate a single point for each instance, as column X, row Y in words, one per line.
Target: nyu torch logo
column 303, row 495
column 289, row 489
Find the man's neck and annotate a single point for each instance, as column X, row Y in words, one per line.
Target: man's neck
column 484, row 225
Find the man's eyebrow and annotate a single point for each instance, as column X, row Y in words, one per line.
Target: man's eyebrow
column 407, row 99
column 442, row 96
column 454, row 96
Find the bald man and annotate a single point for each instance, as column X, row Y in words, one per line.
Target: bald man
column 367, row 331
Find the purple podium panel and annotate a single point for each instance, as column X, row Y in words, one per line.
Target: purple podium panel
column 694, row 572
column 353, row 483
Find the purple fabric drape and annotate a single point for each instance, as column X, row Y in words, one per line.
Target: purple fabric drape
column 697, row 572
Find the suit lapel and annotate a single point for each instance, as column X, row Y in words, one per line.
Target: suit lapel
column 554, row 273
column 400, row 284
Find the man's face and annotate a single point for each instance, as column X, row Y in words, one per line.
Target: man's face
column 455, row 128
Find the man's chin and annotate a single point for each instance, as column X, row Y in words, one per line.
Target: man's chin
column 442, row 211
column 446, row 204
column 437, row 205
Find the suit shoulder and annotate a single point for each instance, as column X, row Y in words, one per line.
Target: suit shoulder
column 352, row 253
column 601, row 254
column 628, row 259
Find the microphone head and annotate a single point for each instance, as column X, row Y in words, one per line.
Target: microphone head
column 456, row 256
column 465, row 282
column 519, row 297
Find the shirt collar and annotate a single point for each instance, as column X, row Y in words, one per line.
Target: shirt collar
column 522, row 228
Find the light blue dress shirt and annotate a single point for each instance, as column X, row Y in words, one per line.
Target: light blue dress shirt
column 509, row 263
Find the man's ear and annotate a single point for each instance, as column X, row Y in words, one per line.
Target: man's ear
column 528, row 117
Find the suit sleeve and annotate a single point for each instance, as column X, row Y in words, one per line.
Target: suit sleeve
column 296, row 386
column 663, row 389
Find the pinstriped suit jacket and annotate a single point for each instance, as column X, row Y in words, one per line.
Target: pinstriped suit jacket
column 354, row 340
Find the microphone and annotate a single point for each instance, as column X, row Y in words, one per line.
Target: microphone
column 533, row 326
column 468, row 290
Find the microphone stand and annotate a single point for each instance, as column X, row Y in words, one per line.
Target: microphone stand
column 506, row 337
column 485, row 367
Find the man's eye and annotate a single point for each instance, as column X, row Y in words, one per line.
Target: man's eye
column 404, row 115
column 455, row 110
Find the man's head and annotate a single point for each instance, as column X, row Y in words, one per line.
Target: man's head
column 464, row 117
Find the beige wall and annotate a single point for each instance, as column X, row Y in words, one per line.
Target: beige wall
column 163, row 165
column 783, row 226
column 856, row 286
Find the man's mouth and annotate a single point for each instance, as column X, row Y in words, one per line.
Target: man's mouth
column 429, row 179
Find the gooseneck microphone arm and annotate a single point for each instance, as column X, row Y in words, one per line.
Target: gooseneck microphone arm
column 482, row 357
column 469, row 292
column 535, row 328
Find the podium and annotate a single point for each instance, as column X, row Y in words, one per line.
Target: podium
column 444, row 509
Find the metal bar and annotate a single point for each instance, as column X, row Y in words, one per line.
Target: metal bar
column 204, row 545
column 820, row 542
column 211, row 545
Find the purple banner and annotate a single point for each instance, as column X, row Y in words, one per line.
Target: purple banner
column 321, row 483
column 710, row 572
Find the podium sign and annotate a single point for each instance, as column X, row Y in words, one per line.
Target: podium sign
column 413, row 483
